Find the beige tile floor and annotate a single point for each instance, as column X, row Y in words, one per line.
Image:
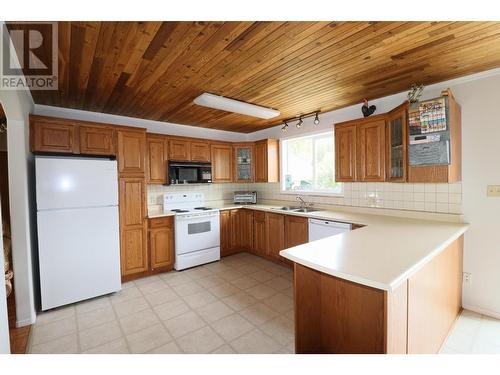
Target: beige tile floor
column 473, row 333
column 242, row 304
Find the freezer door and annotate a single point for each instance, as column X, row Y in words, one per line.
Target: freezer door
column 68, row 182
column 79, row 254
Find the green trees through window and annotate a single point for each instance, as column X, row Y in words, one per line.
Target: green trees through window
column 308, row 164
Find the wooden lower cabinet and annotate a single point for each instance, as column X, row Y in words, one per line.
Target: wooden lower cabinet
column 161, row 243
column 296, row 230
column 276, row 235
column 333, row 315
column 259, row 233
column 134, row 258
column 225, row 232
column 246, row 225
column 236, row 231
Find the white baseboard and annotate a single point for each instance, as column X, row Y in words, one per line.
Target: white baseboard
column 480, row 310
column 26, row 322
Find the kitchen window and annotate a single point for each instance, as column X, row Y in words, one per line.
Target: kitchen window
column 308, row 165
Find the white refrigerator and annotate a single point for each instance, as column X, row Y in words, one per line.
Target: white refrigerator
column 78, row 228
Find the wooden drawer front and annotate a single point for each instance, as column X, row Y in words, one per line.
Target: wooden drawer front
column 179, row 150
column 200, row 151
column 53, row 138
column 96, row 141
column 162, row 222
column 134, row 257
column 132, row 193
column 131, row 152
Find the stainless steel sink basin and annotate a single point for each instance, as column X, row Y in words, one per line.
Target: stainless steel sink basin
column 296, row 209
column 305, row 210
column 287, row 208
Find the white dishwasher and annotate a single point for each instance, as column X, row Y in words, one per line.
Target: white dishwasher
column 319, row 229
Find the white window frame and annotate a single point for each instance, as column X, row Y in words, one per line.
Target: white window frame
column 282, row 169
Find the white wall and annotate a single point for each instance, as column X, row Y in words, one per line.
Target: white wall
column 17, row 106
column 481, row 166
column 4, row 319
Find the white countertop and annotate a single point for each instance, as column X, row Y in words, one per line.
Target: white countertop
column 384, row 253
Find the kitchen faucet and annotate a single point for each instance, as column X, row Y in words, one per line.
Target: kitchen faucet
column 303, row 203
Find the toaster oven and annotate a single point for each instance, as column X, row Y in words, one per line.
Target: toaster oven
column 245, row 197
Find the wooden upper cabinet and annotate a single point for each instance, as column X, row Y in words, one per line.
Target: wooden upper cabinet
column 345, row 153
column 200, row 151
column 157, row 148
column 371, row 151
column 179, row 150
column 97, row 140
column 244, row 163
column 266, row 160
column 222, row 162
column 276, row 234
column 48, row 136
column 397, row 144
column 161, row 243
column 296, row 230
column 131, row 152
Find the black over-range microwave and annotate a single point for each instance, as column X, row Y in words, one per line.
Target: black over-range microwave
column 185, row 172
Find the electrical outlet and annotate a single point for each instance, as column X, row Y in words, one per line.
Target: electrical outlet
column 467, row 277
column 493, row 191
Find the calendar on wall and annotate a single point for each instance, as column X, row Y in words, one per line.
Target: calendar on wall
column 429, row 132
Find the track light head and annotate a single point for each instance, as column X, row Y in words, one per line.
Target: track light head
column 299, row 124
column 285, row 127
column 316, row 119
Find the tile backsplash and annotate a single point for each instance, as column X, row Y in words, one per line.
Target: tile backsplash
column 215, row 194
column 441, row 198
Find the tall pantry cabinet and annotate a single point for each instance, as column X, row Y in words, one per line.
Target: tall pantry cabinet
column 131, row 157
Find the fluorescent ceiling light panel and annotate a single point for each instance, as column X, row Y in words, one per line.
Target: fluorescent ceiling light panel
column 231, row 105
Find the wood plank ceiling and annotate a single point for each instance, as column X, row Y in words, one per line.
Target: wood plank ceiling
column 154, row 70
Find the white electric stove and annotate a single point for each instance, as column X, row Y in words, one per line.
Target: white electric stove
column 197, row 229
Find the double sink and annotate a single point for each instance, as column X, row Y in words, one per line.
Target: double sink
column 296, row 209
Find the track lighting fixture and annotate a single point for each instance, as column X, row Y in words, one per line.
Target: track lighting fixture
column 316, row 119
column 300, row 120
column 299, row 124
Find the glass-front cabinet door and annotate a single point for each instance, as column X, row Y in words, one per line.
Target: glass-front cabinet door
column 397, row 141
column 244, row 163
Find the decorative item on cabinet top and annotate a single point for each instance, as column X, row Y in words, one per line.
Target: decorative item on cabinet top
column 366, row 109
